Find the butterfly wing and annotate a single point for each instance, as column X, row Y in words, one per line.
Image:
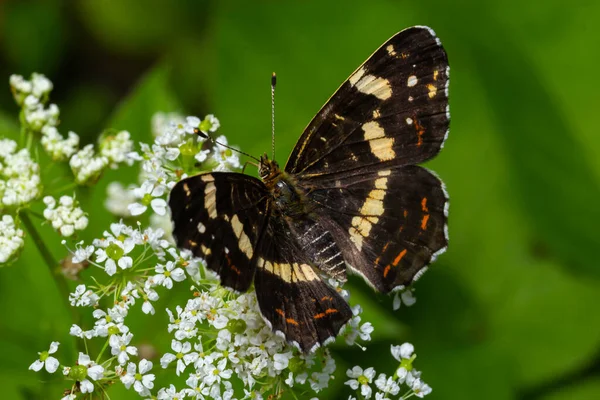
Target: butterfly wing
column 355, row 160
column 219, row 217
column 388, row 223
column 393, row 110
column 291, row 295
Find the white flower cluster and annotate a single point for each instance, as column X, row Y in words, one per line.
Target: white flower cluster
column 67, row 217
column 222, row 338
column 170, row 158
column 11, row 239
column 361, row 380
column 20, row 181
column 86, row 166
column 117, row 149
column 39, row 87
column 32, row 95
column 221, row 344
column 58, row 147
column 219, row 337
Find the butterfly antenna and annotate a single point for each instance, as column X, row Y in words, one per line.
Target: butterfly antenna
column 273, row 83
column 210, row 139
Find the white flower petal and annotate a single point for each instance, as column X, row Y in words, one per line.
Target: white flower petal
column 36, row 365
column 136, row 209
column 51, row 364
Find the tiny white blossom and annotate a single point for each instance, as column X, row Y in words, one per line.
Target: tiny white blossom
column 142, row 381
column 405, row 296
column 82, row 253
column 11, row 239
column 67, row 217
column 115, row 252
column 181, row 350
column 361, row 379
column 20, row 181
column 226, row 158
column 387, row 385
column 117, row 148
column 149, row 195
column 93, row 370
column 170, row 393
column 46, row 360
column 404, row 351
column 282, row 360
column 119, row 346
column 83, row 297
column 168, row 273
column 86, row 166
column 57, row 147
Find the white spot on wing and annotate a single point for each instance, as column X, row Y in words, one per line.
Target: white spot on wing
column 390, row 50
column 370, row 84
column 356, row 76
column 411, row 81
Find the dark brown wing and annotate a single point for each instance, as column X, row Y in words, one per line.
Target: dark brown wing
column 291, row 295
column 219, row 217
column 393, row 110
column 389, row 223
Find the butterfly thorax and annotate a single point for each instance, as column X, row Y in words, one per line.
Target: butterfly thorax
column 288, row 198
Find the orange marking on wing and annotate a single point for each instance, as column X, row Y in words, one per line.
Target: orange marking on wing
column 386, row 271
column 404, row 55
column 435, row 74
column 192, row 243
column 424, row 204
column 280, row 312
column 420, row 131
column 291, row 321
column 331, row 311
column 399, row 257
column 424, row 221
column 405, row 213
column 235, row 269
column 327, row 298
column 319, row 316
column 377, row 261
column 385, row 247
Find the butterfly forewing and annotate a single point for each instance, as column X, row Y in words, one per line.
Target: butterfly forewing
column 393, row 110
column 219, row 217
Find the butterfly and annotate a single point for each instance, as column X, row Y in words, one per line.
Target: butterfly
column 350, row 197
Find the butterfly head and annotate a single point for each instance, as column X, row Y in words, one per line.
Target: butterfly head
column 268, row 169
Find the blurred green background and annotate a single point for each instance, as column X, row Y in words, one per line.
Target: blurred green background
column 509, row 312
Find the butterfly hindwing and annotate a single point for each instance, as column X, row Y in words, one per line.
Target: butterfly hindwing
column 291, row 294
column 389, row 223
column 219, row 217
column 392, row 110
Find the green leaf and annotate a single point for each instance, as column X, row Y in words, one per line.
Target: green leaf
column 549, row 168
column 583, row 390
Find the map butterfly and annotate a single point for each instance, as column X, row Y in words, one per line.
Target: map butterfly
column 350, row 197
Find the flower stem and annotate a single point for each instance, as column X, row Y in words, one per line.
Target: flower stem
column 48, row 258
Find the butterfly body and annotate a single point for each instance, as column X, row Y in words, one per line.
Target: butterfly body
column 349, row 197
